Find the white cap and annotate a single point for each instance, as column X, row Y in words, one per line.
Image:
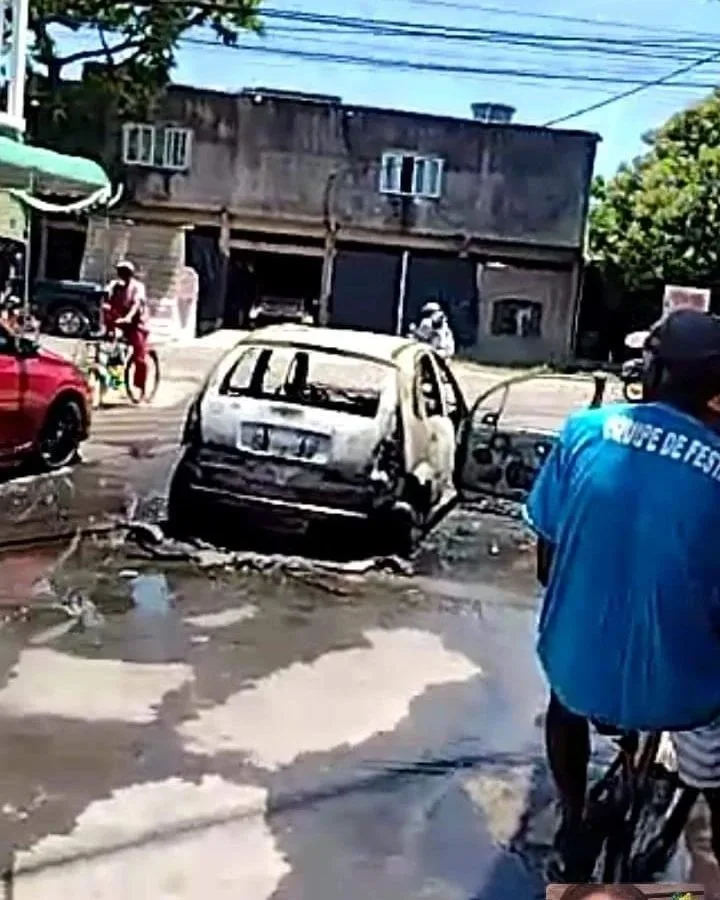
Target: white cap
column 125, row 264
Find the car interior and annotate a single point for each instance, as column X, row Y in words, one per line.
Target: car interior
column 323, row 380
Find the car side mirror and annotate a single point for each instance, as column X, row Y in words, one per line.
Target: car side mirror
column 26, row 347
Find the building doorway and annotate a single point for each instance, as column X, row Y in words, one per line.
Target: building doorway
column 266, row 286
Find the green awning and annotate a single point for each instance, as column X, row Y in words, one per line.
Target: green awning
column 51, row 171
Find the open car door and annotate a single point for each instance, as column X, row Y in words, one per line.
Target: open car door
column 510, row 429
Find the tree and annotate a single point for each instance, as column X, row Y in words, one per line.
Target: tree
column 132, row 45
column 658, row 218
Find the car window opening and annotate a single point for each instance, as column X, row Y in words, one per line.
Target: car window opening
column 322, row 380
column 428, row 397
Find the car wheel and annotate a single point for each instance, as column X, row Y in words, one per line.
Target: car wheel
column 61, row 435
column 398, row 533
column 182, row 510
column 70, row 322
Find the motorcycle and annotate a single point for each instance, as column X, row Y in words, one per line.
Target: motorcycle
column 631, row 373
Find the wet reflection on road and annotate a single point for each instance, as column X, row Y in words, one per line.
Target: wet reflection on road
column 382, row 738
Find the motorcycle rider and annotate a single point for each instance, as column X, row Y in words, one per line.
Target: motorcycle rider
column 126, row 309
column 434, row 329
column 624, row 507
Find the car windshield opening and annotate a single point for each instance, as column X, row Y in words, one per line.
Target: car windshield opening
column 316, row 378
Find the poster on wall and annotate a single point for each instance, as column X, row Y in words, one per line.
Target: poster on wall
column 676, row 297
column 175, row 318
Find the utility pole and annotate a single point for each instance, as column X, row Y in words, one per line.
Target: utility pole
column 328, row 267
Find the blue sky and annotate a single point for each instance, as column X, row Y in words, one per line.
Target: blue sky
column 620, row 124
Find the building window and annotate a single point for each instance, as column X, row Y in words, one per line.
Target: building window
column 139, row 145
column 517, row 318
column 157, row 146
column 409, row 175
column 177, row 148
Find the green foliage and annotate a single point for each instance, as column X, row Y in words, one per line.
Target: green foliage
column 131, row 46
column 659, row 217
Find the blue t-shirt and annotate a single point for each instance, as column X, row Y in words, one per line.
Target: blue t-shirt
column 629, row 630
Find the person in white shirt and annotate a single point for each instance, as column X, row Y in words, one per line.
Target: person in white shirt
column 434, row 329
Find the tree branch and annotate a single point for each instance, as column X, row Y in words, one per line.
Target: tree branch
column 105, row 46
column 130, row 44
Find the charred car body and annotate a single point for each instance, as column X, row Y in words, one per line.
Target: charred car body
column 303, row 427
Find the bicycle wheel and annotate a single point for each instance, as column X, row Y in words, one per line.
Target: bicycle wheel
column 631, row 795
column 152, row 381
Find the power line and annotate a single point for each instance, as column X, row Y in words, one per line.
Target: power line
column 449, row 69
column 225, row 7
column 633, row 77
column 623, row 95
column 453, row 32
column 397, row 27
column 553, row 17
column 490, row 55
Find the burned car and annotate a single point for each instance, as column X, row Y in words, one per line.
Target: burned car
column 512, row 427
column 304, row 428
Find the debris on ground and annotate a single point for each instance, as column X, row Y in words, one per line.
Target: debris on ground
column 150, row 543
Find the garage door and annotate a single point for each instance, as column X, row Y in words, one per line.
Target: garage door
column 365, row 291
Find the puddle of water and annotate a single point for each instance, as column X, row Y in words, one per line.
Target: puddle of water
column 151, row 595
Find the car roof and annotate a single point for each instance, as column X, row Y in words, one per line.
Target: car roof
column 384, row 348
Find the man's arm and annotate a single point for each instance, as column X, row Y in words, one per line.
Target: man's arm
column 544, row 558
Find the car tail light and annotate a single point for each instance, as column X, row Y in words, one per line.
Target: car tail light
column 192, row 430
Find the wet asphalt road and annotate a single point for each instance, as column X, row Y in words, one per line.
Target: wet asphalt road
column 211, row 733
column 198, row 732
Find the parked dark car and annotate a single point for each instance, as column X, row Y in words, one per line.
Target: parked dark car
column 270, row 310
column 67, row 308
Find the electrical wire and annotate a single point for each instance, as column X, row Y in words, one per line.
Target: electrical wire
column 552, row 17
column 639, row 55
column 374, row 26
column 623, row 95
column 449, row 68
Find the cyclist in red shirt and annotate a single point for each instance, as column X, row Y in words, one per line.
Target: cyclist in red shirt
column 126, row 309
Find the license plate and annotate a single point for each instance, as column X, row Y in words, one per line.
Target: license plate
column 288, row 443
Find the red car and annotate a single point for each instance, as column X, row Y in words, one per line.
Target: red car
column 44, row 405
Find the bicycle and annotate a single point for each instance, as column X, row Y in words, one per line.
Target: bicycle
column 635, row 814
column 616, row 804
column 110, row 366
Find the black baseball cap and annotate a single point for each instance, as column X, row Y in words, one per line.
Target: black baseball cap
column 685, row 336
column 686, row 345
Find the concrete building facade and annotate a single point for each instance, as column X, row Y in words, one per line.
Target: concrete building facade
column 366, row 213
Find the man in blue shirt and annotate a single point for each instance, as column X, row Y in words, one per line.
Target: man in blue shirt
column 627, row 511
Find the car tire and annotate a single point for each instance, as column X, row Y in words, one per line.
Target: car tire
column 398, row 532
column 70, row 322
column 60, row 436
column 182, row 519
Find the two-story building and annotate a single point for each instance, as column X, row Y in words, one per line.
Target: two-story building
column 365, row 212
